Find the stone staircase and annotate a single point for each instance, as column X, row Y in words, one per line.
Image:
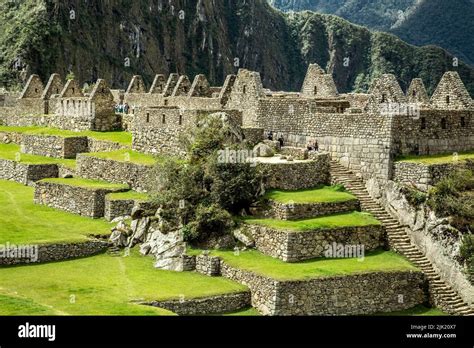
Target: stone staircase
column 443, row 295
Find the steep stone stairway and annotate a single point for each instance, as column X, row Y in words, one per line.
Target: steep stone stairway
column 443, row 295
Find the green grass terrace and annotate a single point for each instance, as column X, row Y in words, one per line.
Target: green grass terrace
column 128, row 196
column 23, row 222
column 352, row 219
column 12, row 152
column 438, row 159
column 126, row 156
column 87, row 183
column 102, row 285
column 255, row 261
column 123, row 138
column 324, row 194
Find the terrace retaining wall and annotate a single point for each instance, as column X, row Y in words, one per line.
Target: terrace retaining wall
column 299, row 246
column 296, row 211
column 137, row 176
column 297, row 175
column 423, row 176
column 357, row 294
column 26, row 174
column 218, row 304
column 54, row 146
column 77, row 200
column 57, row 252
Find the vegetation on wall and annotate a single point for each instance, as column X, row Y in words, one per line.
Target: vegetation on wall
column 200, row 194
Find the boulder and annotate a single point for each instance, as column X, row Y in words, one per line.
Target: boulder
column 263, row 150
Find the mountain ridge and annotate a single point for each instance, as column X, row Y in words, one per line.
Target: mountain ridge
column 214, row 38
column 420, row 22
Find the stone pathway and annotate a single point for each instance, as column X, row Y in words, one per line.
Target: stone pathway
column 443, row 295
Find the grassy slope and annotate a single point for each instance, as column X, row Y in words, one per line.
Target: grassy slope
column 265, row 265
column 123, row 138
column 126, row 156
column 326, row 194
column 130, row 195
column 102, row 285
column 24, row 222
column 87, row 183
column 437, row 159
column 324, row 222
column 11, row 151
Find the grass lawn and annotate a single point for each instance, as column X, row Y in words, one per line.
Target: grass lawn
column 126, row 156
column 129, row 195
column 437, row 159
column 123, row 138
column 87, row 183
column 324, row 222
column 23, row 222
column 325, row 194
column 101, row 285
column 10, row 151
column 259, row 263
column 419, row 310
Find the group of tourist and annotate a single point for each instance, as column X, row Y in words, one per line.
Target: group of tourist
column 280, row 138
column 311, row 146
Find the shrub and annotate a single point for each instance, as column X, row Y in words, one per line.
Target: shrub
column 199, row 195
column 453, row 196
column 209, row 221
column 414, row 196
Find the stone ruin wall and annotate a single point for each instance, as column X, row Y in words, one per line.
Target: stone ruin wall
column 26, row 174
column 301, row 246
column 360, row 141
column 73, row 199
column 137, row 176
column 158, row 130
column 349, row 295
column 61, row 252
column 423, row 176
column 434, row 132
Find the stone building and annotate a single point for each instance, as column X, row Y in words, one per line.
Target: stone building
column 364, row 132
column 62, row 106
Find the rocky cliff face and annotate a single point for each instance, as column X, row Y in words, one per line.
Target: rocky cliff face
column 117, row 39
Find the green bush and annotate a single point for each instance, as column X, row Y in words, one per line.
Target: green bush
column 414, row 196
column 199, row 195
column 453, row 196
column 208, row 221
